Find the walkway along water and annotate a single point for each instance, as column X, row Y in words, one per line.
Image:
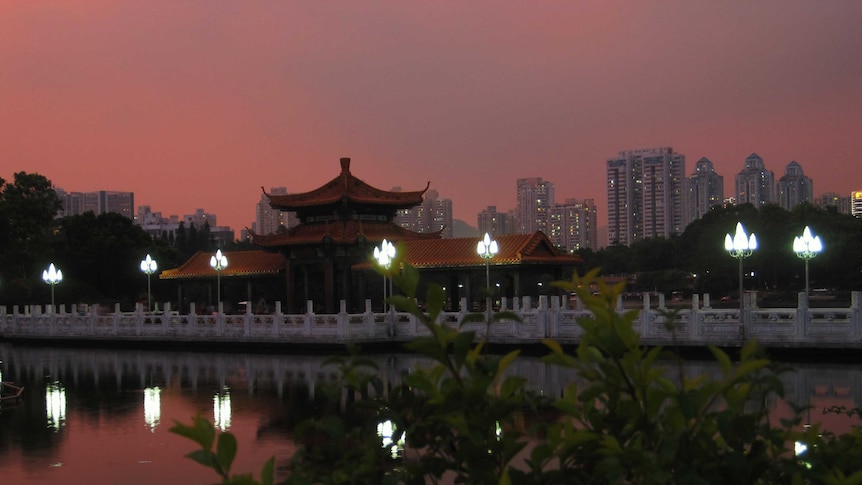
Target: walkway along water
column 800, row 327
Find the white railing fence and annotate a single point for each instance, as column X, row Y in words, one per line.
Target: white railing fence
column 548, row 317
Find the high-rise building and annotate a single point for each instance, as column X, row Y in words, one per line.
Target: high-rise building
column 573, row 225
column 268, row 220
column 794, row 187
column 645, row 194
column 219, row 235
column 754, row 184
column 833, row 199
column 495, row 223
column 432, row 215
column 199, row 219
column 156, row 225
column 856, row 203
column 704, row 190
column 535, row 199
column 99, row 202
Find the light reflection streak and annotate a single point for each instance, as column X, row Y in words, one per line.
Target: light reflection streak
column 221, row 409
column 386, row 432
column 55, row 405
column 152, row 407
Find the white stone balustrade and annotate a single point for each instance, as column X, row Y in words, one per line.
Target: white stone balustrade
column 548, row 318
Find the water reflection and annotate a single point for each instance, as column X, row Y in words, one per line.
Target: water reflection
column 83, row 407
column 386, row 432
column 55, row 405
column 152, row 407
column 221, row 409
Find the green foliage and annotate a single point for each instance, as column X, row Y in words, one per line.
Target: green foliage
column 632, row 417
column 659, row 262
column 220, row 460
column 27, row 208
column 100, row 257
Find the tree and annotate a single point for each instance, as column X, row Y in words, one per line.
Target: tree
column 28, row 206
column 633, row 416
column 100, row 256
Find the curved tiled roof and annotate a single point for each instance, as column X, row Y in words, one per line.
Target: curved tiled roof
column 339, row 232
column 518, row 249
column 239, row 263
column 346, row 187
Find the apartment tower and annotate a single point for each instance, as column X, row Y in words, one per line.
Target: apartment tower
column 704, row 190
column 754, row 184
column 645, row 190
column 573, row 225
column 535, row 199
column 794, row 187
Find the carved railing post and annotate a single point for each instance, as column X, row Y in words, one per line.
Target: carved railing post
column 694, row 317
column 803, row 317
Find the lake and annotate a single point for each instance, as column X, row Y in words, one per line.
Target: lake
column 101, row 416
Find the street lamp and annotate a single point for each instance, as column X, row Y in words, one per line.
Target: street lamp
column 740, row 246
column 148, row 266
column 807, row 247
column 218, row 263
column 384, row 256
column 52, row 276
column 487, row 248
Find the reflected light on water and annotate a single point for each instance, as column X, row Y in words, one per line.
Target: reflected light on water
column 152, row 407
column 221, row 409
column 55, row 405
column 386, row 432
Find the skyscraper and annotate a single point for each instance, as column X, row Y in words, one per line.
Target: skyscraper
column 856, row 203
column 573, row 225
column 834, row 199
column 495, row 223
column 269, row 220
column 98, row 202
column 645, row 194
column 432, row 215
column 705, row 190
column 754, row 184
column 535, row 199
column 794, row 187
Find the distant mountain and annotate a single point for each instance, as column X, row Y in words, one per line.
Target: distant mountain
column 462, row 229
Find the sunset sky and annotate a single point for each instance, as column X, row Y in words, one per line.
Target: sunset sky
column 197, row 104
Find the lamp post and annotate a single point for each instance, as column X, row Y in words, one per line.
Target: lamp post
column 807, row 247
column 740, row 246
column 52, row 276
column 487, row 248
column 218, row 263
column 149, row 266
column 384, row 256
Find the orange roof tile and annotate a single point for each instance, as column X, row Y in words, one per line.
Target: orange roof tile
column 346, row 186
column 339, row 232
column 239, row 263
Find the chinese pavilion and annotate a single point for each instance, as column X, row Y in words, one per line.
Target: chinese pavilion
column 327, row 257
column 340, row 223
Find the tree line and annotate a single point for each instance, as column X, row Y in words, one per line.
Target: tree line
column 100, row 254
column 696, row 261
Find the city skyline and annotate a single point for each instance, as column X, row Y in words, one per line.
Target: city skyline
column 199, row 104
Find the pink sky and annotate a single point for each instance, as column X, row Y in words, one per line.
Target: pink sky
column 197, row 104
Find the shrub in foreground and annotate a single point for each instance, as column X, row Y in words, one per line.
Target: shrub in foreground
column 633, row 417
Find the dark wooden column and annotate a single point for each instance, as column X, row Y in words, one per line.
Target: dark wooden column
column 289, row 303
column 329, row 290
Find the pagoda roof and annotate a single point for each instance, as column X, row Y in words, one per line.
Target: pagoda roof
column 346, row 187
column 340, row 232
column 239, row 263
column 513, row 249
